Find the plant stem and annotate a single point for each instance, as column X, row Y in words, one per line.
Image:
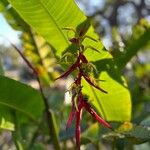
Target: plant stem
column 49, row 114
column 50, row 118
column 16, row 134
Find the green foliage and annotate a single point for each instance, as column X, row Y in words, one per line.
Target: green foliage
column 67, row 14
column 91, row 134
column 52, row 19
column 47, row 18
column 35, row 48
column 140, row 39
column 20, row 97
column 107, row 104
column 6, row 119
column 128, row 133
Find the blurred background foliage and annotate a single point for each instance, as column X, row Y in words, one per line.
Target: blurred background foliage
column 124, row 28
column 34, row 46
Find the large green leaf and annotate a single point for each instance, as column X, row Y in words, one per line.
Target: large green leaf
column 113, row 106
column 35, row 48
column 6, row 120
column 20, row 97
column 48, row 17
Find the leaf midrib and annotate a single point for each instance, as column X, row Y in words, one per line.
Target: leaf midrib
column 52, row 18
column 16, row 108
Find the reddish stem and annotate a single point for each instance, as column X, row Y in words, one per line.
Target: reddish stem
column 71, row 117
column 83, row 58
column 74, row 41
column 78, row 79
column 71, row 68
column 89, row 80
column 78, row 119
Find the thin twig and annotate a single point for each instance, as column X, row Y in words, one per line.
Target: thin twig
column 49, row 114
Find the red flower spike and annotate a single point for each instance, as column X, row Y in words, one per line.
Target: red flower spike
column 78, row 101
column 89, row 80
column 81, row 33
column 83, row 58
column 78, row 113
column 71, row 68
column 96, row 116
column 74, row 41
column 71, row 117
column 74, row 107
column 78, row 119
column 72, row 113
column 78, row 79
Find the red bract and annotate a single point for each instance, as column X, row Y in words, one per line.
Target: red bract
column 71, row 68
column 95, row 115
column 78, row 128
column 89, row 80
column 77, row 65
column 71, row 117
column 74, row 41
column 83, row 104
column 83, row 58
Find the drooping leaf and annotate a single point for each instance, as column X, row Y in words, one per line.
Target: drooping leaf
column 48, row 17
column 140, row 133
column 146, row 122
column 135, row 133
column 20, row 97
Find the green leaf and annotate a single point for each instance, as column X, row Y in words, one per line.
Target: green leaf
column 35, row 48
column 91, row 134
column 139, row 132
column 6, row 119
column 116, row 104
column 48, row 17
column 20, row 97
column 135, row 133
column 146, row 122
column 2, row 8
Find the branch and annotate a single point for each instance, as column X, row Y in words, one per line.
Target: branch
column 49, row 114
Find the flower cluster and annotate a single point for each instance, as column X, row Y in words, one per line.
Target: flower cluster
column 79, row 102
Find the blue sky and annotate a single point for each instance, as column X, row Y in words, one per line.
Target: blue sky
column 7, row 32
